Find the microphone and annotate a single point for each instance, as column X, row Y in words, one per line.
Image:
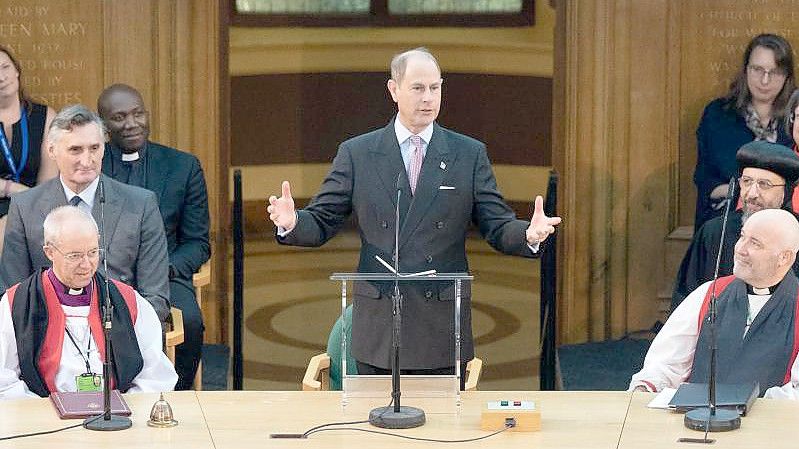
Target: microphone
column 711, row 418
column 101, row 198
column 396, row 417
column 397, row 222
column 728, row 201
column 109, row 421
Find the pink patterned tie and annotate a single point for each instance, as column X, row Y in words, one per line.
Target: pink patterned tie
column 416, row 162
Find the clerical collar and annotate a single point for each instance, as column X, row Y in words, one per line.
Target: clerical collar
column 760, row 291
column 130, row 157
column 70, row 296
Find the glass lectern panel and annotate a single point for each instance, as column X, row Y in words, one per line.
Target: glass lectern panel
column 438, row 393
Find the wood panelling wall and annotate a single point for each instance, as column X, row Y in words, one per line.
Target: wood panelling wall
column 174, row 52
column 302, row 118
column 631, row 79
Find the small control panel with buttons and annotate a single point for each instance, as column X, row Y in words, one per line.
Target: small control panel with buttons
column 511, row 405
column 526, row 414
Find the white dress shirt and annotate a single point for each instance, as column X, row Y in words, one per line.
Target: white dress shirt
column 87, row 195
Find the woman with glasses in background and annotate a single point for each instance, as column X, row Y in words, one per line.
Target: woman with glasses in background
column 754, row 108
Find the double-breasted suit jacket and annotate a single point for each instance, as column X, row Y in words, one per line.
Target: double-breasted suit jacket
column 456, row 187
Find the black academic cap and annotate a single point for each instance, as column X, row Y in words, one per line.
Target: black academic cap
column 769, row 156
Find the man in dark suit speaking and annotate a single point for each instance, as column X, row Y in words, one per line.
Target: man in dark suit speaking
column 177, row 180
column 447, row 183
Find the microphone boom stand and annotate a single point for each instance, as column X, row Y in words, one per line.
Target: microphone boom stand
column 396, row 417
column 711, row 418
column 109, row 422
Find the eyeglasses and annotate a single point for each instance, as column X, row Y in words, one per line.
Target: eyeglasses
column 762, row 184
column 75, row 257
column 761, row 72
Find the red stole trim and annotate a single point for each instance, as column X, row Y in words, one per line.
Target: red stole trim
column 721, row 284
column 50, row 353
column 795, row 196
column 94, row 313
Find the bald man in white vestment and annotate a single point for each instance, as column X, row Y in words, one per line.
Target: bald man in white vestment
column 757, row 318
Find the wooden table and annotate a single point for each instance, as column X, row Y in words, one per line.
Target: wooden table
column 770, row 424
column 570, row 420
column 241, row 420
column 32, row 415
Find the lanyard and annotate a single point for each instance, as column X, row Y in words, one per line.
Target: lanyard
column 88, row 348
column 16, row 170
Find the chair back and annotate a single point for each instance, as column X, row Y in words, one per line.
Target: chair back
column 334, row 349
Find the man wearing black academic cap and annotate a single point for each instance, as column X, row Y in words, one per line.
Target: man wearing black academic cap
column 767, row 175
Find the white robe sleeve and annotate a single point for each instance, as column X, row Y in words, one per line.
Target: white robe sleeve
column 11, row 387
column 668, row 361
column 157, row 373
column 789, row 390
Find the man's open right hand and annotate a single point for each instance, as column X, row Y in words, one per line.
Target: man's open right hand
column 281, row 210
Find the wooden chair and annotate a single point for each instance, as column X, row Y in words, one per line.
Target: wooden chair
column 201, row 280
column 317, row 375
column 174, row 336
column 177, row 336
column 324, row 370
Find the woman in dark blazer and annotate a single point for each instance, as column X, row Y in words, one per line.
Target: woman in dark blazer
column 754, row 108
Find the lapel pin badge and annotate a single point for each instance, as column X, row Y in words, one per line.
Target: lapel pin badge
column 443, row 165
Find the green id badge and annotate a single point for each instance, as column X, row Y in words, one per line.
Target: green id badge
column 89, row 382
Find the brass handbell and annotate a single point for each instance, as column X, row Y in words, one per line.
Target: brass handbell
column 161, row 414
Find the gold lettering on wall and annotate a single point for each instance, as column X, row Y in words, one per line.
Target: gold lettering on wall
column 722, row 29
column 59, row 46
column 714, row 36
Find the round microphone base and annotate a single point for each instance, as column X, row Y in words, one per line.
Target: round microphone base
column 115, row 423
column 406, row 418
column 722, row 421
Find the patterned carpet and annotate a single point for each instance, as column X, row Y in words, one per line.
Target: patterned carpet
column 290, row 306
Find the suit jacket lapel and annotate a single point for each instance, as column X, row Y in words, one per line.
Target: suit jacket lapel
column 53, row 198
column 156, row 171
column 113, row 208
column 437, row 156
column 387, row 160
